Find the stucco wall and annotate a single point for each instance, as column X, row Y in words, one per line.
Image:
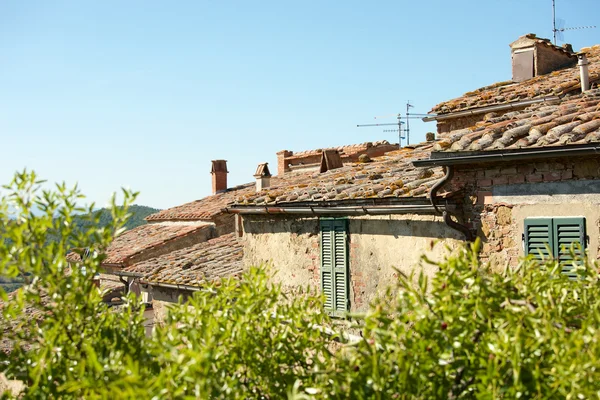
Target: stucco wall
column 377, row 245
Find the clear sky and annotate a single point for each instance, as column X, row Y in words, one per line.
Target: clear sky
column 143, row 94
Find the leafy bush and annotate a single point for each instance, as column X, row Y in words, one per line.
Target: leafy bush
column 467, row 333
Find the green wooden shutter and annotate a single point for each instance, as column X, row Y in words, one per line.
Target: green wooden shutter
column 334, row 265
column 340, row 269
column 566, row 232
column 539, row 240
column 327, row 262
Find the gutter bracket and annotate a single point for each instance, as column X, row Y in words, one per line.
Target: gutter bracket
column 449, row 173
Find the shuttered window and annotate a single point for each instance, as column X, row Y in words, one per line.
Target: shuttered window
column 334, row 265
column 553, row 237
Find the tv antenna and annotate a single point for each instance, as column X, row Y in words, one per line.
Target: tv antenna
column 399, row 124
column 558, row 26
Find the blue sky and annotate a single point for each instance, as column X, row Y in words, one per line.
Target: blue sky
column 143, row 94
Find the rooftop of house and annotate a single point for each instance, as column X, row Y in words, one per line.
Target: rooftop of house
column 347, row 149
column 570, row 121
column 204, row 209
column 145, row 237
column 389, row 176
column 557, row 83
column 203, row 262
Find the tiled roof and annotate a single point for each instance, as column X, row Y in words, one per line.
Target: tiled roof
column 109, row 282
column 557, row 83
column 191, row 266
column 349, row 149
column 204, row 209
column 391, row 175
column 575, row 120
column 145, row 237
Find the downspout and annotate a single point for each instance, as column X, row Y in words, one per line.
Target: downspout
column 124, row 282
column 433, row 197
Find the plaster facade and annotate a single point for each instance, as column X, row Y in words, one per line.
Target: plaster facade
column 377, row 246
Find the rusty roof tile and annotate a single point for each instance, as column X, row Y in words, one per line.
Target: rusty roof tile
column 575, row 120
column 203, row 262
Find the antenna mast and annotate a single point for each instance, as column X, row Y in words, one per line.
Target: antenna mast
column 558, row 32
column 554, row 20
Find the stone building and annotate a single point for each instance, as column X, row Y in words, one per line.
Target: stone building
column 525, row 157
column 341, row 226
column 514, row 163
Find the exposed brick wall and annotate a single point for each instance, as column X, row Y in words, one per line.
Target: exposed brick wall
column 493, row 222
column 547, row 59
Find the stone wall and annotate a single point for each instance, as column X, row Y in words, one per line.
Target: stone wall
column 498, row 198
column 377, row 246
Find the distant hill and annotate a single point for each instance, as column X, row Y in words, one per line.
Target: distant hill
column 136, row 219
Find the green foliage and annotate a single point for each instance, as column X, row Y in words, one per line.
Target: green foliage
column 467, row 333
column 65, row 341
column 526, row 333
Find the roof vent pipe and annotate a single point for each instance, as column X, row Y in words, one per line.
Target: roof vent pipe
column 583, row 72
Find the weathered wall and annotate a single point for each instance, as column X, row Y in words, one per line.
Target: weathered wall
column 499, row 197
column 377, row 245
column 548, row 59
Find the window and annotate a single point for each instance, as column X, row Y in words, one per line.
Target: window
column 334, row 265
column 555, row 235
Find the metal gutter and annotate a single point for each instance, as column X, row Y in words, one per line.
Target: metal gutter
column 498, row 107
column 527, row 154
column 348, row 210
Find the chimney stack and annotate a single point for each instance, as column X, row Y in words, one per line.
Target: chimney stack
column 583, row 72
column 263, row 177
column 533, row 56
column 219, row 175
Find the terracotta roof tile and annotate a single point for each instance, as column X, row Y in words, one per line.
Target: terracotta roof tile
column 204, row 209
column 146, row 236
column 557, row 83
column 344, row 150
column 575, row 120
column 391, row 175
column 216, row 258
column 109, row 282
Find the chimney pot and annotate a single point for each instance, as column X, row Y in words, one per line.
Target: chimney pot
column 219, row 176
column 263, row 177
column 534, row 56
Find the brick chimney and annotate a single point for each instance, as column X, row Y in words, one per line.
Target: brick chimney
column 282, row 164
column 219, row 175
column 533, row 56
column 263, row 177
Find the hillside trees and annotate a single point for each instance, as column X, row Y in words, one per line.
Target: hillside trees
column 468, row 333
